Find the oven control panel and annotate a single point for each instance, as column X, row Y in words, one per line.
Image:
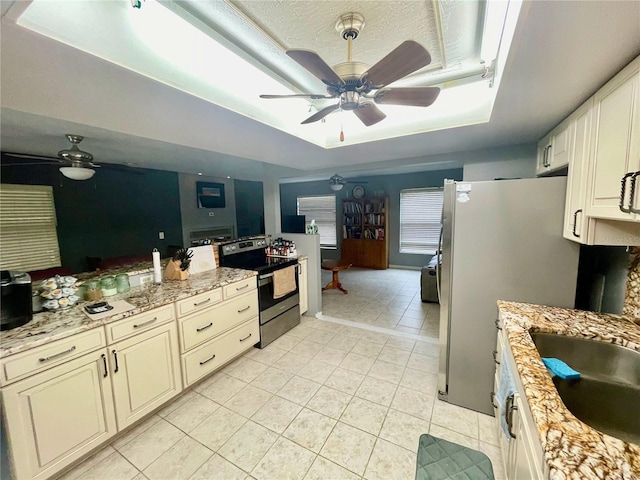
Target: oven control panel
column 244, row 246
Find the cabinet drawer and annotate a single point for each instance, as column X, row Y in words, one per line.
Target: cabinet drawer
column 212, row 355
column 238, row 288
column 54, row 353
column 139, row 323
column 198, row 302
column 201, row 326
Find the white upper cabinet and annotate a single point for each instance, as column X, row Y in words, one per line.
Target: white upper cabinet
column 553, row 150
column 615, row 153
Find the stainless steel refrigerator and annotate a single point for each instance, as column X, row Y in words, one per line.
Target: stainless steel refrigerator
column 501, row 240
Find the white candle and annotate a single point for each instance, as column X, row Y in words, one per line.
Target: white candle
column 157, row 271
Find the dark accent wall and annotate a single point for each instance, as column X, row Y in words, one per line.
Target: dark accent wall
column 113, row 214
column 390, row 184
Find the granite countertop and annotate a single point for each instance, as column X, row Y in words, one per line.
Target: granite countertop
column 54, row 325
column 572, row 449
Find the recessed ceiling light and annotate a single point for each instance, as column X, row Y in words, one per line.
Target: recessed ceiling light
column 199, row 173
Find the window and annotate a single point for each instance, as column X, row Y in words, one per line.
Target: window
column 28, row 238
column 322, row 209
column 420, row 220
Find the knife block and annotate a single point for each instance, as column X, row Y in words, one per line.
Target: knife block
column 173, row 272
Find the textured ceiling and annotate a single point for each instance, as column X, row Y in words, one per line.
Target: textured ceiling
column 562, row 52
column 311, row 26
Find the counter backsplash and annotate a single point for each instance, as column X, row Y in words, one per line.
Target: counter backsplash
column 632, row 296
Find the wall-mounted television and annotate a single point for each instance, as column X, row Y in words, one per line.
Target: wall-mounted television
column 210, row 195
column 293, row 224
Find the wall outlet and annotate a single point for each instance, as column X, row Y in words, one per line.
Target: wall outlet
column 161, row 235
column 146, row 279
column 211, row 214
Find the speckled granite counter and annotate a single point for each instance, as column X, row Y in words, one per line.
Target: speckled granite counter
column 50, row 326
column 572, row 449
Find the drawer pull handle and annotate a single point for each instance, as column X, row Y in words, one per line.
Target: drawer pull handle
column 207, row 360
column 106, row 369
column 146, row 323
column 492, row 395
column 245, row 338
column 244, row 309
column 495, row 355
column 115, row 359
column 509, row 414
column 204, row 328
column 202, row 302
column 46, row 359
column 242, row 288
column 497, row 322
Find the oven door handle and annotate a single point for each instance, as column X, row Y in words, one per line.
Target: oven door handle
column 266, row 275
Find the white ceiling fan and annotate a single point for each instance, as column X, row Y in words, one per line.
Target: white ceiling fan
column 359, row 87
column 74, row 163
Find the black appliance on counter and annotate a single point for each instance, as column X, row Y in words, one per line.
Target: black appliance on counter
column 277, row 316
column 16, row 307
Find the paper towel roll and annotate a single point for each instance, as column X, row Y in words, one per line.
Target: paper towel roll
column 157, row 270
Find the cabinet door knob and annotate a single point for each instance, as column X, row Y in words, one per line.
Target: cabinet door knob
column 575, row 221
column 623, row 191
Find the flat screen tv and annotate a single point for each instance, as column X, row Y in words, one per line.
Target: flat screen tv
column 293, row 224
column 210, row 195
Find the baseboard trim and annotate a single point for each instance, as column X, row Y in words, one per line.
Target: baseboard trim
column 404, row 267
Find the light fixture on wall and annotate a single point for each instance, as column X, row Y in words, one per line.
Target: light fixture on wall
column 336, row 186
column 77, row 173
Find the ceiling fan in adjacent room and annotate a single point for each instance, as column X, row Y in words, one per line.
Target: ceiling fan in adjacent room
column 359, row 87
column 336, row 182
column 73, row 163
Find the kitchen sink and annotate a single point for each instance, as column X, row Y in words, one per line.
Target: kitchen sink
column 607, row 395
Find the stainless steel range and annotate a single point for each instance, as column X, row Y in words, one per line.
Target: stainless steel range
column 277, row 315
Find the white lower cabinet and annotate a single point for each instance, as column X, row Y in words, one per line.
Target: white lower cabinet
column 64, row 399
column 521, row 450
column 145, row 371
column 55, row 417
column 303, row 286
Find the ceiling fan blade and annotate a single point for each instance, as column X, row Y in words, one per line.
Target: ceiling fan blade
column 321, row 114
column 369, row 114
column 313, row 96
column 405, row 59
column 412, row 96
column 31, row 157
column 316, row 65
column 24, row 164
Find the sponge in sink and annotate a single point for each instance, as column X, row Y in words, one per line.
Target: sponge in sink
column 561, row 369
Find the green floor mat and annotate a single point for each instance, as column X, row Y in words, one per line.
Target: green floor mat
column 441, row 460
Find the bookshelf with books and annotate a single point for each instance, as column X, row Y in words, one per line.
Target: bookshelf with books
column 365, row 241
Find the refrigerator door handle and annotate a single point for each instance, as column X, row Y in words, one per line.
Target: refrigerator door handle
column 439, row 256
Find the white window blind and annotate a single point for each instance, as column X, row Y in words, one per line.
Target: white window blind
column 28, row 238
column 420, row 220
column 322, row 209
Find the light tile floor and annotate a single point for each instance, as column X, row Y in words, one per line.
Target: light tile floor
column 382, row 298
column 324, row 401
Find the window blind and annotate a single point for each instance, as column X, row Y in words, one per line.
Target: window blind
column 322, row 209
column 420, row 220
column 28, row 238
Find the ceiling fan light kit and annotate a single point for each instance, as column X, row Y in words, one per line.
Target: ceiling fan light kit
column 353, row 83
column 77, row 173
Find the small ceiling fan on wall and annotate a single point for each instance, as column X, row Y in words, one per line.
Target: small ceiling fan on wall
column 359, row 87
column 73, row 163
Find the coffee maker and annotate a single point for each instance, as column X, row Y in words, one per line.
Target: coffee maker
column 16, row 307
